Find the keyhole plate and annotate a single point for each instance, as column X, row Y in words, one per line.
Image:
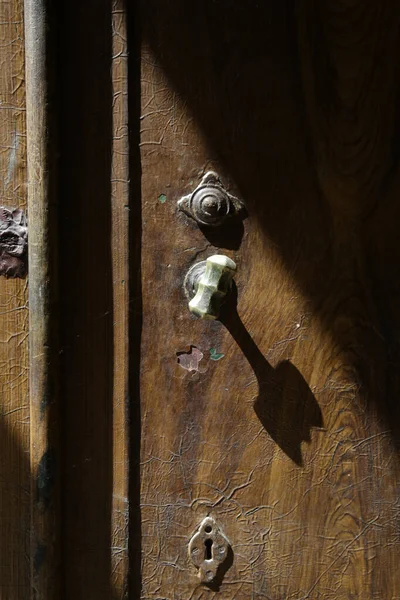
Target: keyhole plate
column 208, row 549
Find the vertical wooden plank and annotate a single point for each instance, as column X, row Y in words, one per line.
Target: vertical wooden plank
column 43, row 349
column 14, row 402
column 121, row 277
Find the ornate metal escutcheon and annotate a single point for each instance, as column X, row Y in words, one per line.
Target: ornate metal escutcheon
column 210, row 204
column 208, row 549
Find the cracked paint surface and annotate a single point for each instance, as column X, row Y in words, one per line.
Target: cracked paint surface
column 325, row 527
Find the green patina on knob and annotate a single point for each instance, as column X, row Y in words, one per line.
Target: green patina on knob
column 207, row 284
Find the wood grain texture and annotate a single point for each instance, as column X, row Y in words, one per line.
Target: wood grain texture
column 14, row 399
column 121, row 280
column 43, row 296
column 290, row 439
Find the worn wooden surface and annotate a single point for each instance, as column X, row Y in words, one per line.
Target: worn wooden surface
column 14, row 400
column 287, row 429
column 121, row 278
column 41, row 130
column 290, row 439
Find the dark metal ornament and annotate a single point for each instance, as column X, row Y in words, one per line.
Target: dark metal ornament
column 13, row 242
column 210, row 205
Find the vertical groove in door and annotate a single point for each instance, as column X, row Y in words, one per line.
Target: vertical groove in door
column 43, row 348
column 86, row 297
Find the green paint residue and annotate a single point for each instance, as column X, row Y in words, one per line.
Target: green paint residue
column 162, row 198
column 215, row 355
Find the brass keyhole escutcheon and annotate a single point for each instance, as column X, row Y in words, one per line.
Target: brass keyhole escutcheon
column 208, row 549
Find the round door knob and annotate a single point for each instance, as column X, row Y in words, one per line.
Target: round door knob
column 207, row 285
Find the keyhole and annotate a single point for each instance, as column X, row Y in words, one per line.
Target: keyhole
column 208, row 544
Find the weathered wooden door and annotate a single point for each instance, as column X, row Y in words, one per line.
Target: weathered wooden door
column 280, row 419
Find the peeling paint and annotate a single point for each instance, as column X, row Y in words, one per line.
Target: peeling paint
column 215, row 355
column 190, row 360
column 12, row 163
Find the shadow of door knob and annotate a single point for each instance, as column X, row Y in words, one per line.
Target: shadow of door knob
column 207, row 284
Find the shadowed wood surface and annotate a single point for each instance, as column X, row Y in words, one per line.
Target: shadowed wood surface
column 41, row 126
column 95, row 188
column 281, row 420
column 86, row 297
column 290, row 439
column 14, row 399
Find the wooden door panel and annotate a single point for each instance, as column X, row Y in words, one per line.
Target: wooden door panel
column 290, row 439
column 281, row 419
